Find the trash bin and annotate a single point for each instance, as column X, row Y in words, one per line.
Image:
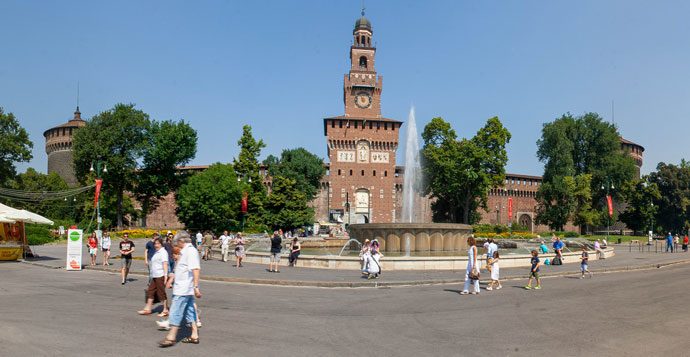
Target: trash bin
column 620, row 240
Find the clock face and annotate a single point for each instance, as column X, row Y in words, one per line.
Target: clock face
column 363, row 100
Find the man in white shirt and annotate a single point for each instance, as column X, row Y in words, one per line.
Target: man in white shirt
column 224, row 245
column 185, row 289
column 199, row 237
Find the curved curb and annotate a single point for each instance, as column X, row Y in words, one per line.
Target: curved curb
column 379, row 283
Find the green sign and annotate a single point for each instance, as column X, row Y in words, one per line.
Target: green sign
column 74, row 236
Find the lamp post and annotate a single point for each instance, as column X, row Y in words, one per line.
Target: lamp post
column 651, row 217
column 608, row 187
column 99, row 174
column 244, row 204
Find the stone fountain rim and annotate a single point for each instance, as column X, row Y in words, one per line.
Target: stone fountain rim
column 452, row 226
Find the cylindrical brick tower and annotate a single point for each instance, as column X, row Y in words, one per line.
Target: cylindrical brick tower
column 59, row 148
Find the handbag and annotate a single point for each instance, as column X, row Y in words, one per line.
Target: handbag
column 473, row 275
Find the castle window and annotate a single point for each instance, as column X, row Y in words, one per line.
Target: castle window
column 374, row 172
column 363, row 62
column 378, row 126
column 340, row 123
column 371, row 125
column 338, row 172
column 385, row 126
column 385, row 173
column 356, row 124
column 362, row 172
column 393, row 126
column 350, row 172
column 332, row 123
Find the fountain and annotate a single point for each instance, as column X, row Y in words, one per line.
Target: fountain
column 409, row 234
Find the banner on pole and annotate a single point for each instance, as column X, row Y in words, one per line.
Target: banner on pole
column 609, row 202
column 74, row 243
column 510, row 210
column 99, row 183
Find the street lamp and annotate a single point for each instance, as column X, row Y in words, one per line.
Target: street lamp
column 608, row 187
column 98, row 172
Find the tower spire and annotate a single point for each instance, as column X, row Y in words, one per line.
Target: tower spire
column 363, row 8
column 77, row 113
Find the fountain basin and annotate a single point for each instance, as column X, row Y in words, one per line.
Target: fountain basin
column 414, row 237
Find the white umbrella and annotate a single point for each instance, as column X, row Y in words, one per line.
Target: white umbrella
column 36, row 218
column 22, row 215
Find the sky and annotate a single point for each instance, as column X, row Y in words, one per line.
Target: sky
column 279, row 65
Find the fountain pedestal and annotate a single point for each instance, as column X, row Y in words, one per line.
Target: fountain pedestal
column 415, row 237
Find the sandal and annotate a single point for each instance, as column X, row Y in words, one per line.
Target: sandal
column 144, row 312
column 190, row 340
column 167, row 343
column 163, row 314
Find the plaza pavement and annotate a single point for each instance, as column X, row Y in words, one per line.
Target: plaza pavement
column 53, row 312
column 53, row 256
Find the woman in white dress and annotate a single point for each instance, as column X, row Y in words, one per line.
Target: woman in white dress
column 472, row 268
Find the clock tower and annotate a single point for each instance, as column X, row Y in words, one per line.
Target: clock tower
column 362, row 143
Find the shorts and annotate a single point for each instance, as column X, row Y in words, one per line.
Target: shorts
column 275, row 257
column 156, row 289
column 583, row 267
column 182, row 308
column 125, row 262
column 534, row 274
column 93, row 251
column 106, row 249
column 239, row 251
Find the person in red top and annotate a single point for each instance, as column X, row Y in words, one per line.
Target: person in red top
column 93, row 248
column 685, row 243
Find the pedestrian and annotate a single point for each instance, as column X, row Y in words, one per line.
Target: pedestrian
column 158, row 267
column 597, row 249
column 239, row 249
column 584, row 263
column 197, row 241
column 495, row 282
column 491, row 248
column 558, row 248
column 472, row 272
column 534, row 271
column 168, row 245
column 93, row 248
column 149, row 251
column 685, row 243
column 364, row 254
column 224, row 245
column 669, row 242
column 373, row 268
column 185, row 289
column 295, row 249
column 676, row 241
column 543, row 249
column 126, row 250
column 164, row 325
column 276, row 247
column 105, row 247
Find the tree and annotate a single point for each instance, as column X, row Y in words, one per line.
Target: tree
column 34, row 181
column 673, row 182
column 287, row 206
column 573, row 146
column 170, row 144
column 305, row 168
column 246, row 166
column 459, row 173
column 210, row 199
column 119, row 137
column 15, row 145
column 640, row 210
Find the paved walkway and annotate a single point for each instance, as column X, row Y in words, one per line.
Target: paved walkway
column 54, row 256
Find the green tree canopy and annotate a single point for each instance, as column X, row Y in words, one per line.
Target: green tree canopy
column 574, row 146
column 34, row 181
column 305, row 168
column 287, row 206
column 459, row 173
column 210, row 199
column 15, row 145
column 119, row 137
column 246, row 166
column 641, row 209
column 170, row 144
column 673, row 182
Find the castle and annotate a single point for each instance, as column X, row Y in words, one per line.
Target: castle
column 362, row 183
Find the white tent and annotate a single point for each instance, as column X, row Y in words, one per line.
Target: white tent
column 22, row 215
column 4, row 219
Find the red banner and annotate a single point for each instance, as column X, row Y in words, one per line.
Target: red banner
column 510, row 210
column 609, row 202
column 99, row 183
column 244, row 205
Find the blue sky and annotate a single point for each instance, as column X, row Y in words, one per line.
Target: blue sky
column 279, row 65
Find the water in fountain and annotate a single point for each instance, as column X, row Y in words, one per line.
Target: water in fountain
column 348, row 244
column 413, row 172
